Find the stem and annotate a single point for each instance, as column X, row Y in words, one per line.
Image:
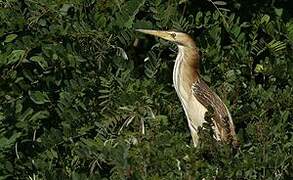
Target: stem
column 224, row 20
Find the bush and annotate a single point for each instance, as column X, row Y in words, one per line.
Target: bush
column 84, row 96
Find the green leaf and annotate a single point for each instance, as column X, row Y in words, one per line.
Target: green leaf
column 42, row 22
column 198, row 16
column 18, row 106
column 38, row 97
column 276, row 46
column 220, row 3
column 7, row 143
column 236, row 31
column 278, row 11
column 15, row 56
column 230, row 74
column 39, row 115
column 40, row 60
column 259, row 68
column 65, row 8
column 152, row 64
column 100, row 20
column 126, row 17
column 182, row 1
column 265, row 19
column 10, row 38
column 28, row 112
column 224, row 9
column 143, row 24
column 2, row 116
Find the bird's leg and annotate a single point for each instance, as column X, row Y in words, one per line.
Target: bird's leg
column 195, row 138
column 194, row 133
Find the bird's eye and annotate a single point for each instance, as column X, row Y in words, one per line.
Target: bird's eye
column 173, row 35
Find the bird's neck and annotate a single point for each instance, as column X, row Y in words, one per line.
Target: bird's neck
column 186, row 68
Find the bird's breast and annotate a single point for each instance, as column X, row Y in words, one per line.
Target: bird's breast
column 183, row 77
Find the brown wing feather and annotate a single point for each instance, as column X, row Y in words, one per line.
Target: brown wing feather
column 221, row 116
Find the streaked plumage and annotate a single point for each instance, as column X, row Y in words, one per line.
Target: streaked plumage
column 195, row 96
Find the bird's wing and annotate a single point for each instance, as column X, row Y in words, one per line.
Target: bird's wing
column 221, row 116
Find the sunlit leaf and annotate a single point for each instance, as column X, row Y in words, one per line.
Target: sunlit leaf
column 15, row 56
column 10, row 38
column 220, row 3
column 278, row 11
column 40, row 60
column 265, row 19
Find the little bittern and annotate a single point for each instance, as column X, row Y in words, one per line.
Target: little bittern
column 195, row 96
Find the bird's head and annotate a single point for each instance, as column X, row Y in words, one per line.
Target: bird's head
column 181, row 39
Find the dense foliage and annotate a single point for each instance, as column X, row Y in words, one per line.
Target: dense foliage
column 85, row 96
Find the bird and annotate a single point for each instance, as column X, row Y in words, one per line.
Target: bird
column 195, row 95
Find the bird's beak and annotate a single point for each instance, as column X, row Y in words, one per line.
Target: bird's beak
column 161, row 34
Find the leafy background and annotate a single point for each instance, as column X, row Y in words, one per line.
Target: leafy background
column 83, row 96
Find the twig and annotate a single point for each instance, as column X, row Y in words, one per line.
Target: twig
column 224, row 20
column 16, row 151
